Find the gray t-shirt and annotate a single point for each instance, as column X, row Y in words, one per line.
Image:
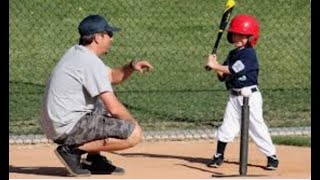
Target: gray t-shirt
column 72, row 90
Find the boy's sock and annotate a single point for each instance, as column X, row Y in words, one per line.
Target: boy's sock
column 221, row 146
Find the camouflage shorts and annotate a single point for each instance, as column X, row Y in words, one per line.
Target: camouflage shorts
column 94, row 126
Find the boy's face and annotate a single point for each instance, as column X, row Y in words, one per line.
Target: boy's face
column 239, row 40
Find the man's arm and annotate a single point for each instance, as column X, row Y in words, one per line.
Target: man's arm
column 120, row 74
column 115, row 107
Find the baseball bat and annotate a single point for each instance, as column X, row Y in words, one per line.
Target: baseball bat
column 244, row 137
column 223, row 24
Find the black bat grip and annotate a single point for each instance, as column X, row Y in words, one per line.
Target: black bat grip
column 208, row 68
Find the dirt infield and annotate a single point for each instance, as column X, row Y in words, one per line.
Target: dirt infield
column 167, row 159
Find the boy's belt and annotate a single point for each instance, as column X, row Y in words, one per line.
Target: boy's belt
column 238, row 93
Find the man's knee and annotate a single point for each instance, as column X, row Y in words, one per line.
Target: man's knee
column 136, row 136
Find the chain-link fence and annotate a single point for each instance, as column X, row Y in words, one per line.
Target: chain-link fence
column 175, row 36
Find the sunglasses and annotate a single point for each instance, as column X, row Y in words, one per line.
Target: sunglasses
column 109, row 33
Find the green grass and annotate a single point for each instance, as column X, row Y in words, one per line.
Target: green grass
column 174, row 35
column 304, row 141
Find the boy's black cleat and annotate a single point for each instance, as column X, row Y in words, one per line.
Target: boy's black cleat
column 70, row 158
column 273, row 162
column 216, row 161
column 98, row 164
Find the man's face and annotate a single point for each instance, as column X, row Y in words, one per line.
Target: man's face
column 104, row 42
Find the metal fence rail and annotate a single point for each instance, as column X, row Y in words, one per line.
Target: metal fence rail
column 179, row 135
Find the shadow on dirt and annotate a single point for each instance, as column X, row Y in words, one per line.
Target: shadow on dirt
column 220, row 174
column 186, row 158
column 200, row 160
column 48, row 171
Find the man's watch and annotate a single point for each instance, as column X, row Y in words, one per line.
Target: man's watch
column 131, row 64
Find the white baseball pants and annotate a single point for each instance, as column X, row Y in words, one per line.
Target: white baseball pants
column 258, row 130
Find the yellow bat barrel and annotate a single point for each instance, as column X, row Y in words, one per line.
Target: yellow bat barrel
column 230, row 4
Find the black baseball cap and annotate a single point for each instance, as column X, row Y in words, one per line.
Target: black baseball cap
column 94, row 24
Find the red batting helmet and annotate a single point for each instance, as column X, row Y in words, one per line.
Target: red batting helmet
column 244, row 24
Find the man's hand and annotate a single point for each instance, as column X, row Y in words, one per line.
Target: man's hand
column 120, row 74
column 141, row 66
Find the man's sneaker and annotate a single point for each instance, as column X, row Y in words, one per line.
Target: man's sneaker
column 98, row 164
column 273, row 162
column 216, row 161
column 70, row 158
